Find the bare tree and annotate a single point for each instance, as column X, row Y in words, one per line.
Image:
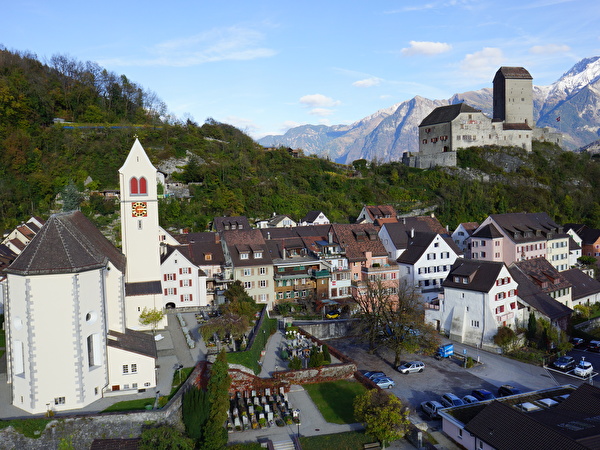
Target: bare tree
column 371, row 300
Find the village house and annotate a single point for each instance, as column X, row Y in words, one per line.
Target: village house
column 183, row 282
column 478, row 297
column 520, row 236
column 369, row 214
column 463, row 232
column 314, row 218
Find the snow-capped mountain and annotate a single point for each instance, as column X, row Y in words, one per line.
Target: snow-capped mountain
column 388, row 133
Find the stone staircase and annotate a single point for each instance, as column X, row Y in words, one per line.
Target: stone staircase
column 283, row 444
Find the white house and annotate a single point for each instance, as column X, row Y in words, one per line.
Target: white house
column 462, row 233
column 479, row 297
column 183, row 283
column 314, row 218
column 427, row 261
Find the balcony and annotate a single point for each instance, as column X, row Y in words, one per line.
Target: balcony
column 324, row 273
column 380, row 268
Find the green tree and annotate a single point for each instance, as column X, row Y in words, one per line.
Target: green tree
column 505, row 338
column 151, row 317
column 382, row 414
column 71, row 197
column 165, row 437
column 531, row 326
column 295, row 363
column 195, row 410
column 215, row 434
column 583, row 310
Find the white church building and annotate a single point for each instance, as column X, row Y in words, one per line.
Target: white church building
column 74, row 301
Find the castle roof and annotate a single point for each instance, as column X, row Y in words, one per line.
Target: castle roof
column 443, row 114
column 514, row 72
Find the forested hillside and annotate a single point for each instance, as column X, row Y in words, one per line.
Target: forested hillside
column 230, row 173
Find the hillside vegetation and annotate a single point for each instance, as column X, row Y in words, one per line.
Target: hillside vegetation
column 230, row 173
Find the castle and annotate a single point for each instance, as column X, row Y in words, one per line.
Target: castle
column 448, row 128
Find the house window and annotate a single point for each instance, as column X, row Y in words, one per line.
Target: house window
column 185, row 270
column 500, row 309
column 247, row 284
column 186, row 297
column 59, row 400
column 186, row 282
column 263, row 283
column 475, row 323
column 146, row 384
column 134, row 386
column 125, row 369
column 257, row 255
column 125, row 386
column 134, row 368
column 170, row 291
column 244, row 255
column 247, row 272
column 170, row 277
column 263, row 270
column 465, row 280
column 208, row 257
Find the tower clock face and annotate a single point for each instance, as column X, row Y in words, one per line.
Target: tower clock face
column 139, row 209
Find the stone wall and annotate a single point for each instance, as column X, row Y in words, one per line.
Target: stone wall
column 327, row 329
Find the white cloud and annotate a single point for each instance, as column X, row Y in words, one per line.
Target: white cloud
column 367, row 82
column 426, row 48
column 246, row 125
column 318, row 100
column 218, row 44
column 321, row 112
column 483, row 62
column 549, row 49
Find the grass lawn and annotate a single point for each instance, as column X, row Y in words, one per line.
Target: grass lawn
column 334, row 399
column 131, row 405
column 31, row 428
column 350, row 440
column 2, row 339
column 179, row 378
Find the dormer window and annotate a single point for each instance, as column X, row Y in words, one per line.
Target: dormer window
column 208, row 257
column 244, row 256
column 257, row 255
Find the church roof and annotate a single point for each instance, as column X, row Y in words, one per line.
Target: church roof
column 443, row 114
column 133, row 341
column 67, row 243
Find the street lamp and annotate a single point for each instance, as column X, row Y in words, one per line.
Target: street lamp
column 298, row 422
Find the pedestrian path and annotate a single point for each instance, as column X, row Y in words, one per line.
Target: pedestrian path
column 272, row 361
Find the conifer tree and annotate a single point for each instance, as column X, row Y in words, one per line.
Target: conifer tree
column 215, row 434
column 195, row 412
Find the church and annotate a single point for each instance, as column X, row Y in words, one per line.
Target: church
column 74, row 301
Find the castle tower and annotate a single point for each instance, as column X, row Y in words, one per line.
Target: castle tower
column 139, row 234
column 513, row 96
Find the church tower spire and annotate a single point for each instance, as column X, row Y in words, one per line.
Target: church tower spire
column 139, row 216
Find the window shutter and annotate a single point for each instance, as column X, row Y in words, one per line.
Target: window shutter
column 190, row 281
column 267, row 283
column 165, row 291
column 253, row 285
column 165, row 276
column 175, row 291
column 174, row 276
column 181, row 297
column 180, row 271
column 180, row 283
column 190, row 297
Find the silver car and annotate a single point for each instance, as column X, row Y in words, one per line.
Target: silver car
column 413, row 366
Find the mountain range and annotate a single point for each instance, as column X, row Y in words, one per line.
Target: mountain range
column 570, row 105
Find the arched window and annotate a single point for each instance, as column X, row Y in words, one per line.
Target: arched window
column 143, row 186
column 133, row 185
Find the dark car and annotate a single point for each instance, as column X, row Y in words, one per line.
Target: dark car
column 578, row 342
column 373, row 375
column 594, row 346
column 564, row 363
column 507, row 389
column 482, row 394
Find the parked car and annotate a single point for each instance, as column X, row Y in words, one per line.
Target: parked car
column 507, row 389
column 482, row 394
column 468, row 399
column 584, row 369
column 432, row 408
column 413, row 366
column 333, row 314
column 578, row 342
column 564, row 363
column 373, row 375
column 594, row 346
column 450, row 400
column 384, row 382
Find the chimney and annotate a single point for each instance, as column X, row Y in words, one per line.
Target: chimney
column 268, row 235
column 412, row 233
column 217, row 238
column 404, row 221
column 330, row 237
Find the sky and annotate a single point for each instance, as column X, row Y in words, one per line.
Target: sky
column 267, row 66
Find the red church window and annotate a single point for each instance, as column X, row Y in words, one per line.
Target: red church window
column 133, row 185
column 143, row 186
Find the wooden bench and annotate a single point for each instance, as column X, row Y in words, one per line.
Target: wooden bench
column 372, row 445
